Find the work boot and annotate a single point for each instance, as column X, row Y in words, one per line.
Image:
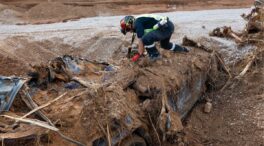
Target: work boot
column 178, row 48
column 153, row 53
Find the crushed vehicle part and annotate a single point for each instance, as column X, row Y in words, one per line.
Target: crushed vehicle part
column 115, row 98
column 65, row 69
column 9, row 87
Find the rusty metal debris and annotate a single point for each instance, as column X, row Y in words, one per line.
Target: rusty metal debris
column 9, row 87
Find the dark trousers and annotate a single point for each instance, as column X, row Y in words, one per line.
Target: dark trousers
column 163, row 35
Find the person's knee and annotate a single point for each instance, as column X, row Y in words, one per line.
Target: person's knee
column 166, row 46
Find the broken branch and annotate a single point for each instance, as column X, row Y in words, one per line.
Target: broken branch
column 108, row 135
column 31, row 104
column 246, row 68
column 155, row 130
column 81, row 93
column 237, row 38
column 256, row 40
column 85, row 83
column 191, row 43
column 223, row 65
column 45, row 105
column 34, row 122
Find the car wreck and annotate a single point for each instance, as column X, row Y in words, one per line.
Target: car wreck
column 114, row 104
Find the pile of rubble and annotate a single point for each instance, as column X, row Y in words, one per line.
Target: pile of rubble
column 108, row 104
column 253, row 31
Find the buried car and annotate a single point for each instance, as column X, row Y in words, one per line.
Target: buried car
column 124, row 104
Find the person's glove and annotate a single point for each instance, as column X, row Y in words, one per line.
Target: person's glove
column 135, row 57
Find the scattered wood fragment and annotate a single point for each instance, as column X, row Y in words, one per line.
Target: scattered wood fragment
column 223, row 65
column 32, row 105
column 45, row 105
column 227, row 70
column 191, row 43
column 33, row 122
column 226, row 32
column 236, row 37
column 86, row 83
column 228, row 82
column 244, row 71
column 22, row 132
column 155, row 130
column 255, row 40
column 78, row 95
column 108, row 135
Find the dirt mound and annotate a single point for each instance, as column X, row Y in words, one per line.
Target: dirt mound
column 9, row 16
column 236, row 118
column 55, row 11
column 10, row 66
column 103, row 49
column 236, row 111
column 30, row 51
column 3, row 7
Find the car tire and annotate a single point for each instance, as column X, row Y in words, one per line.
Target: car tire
column 134, row 140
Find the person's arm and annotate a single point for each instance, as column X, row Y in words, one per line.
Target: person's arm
column 141, row 48
column 140, row 32
column 140, row 51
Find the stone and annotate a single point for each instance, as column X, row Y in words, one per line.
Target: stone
column 208, row 107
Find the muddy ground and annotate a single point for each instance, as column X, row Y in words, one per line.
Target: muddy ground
column 236, row 117
column 38, row 11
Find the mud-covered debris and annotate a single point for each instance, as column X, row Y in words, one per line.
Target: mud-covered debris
column 226, row 32
column 121, row 99
column 217, row 32
column 9, row 87
column 66, row 68
column 146, row 104
column 254, row 27
column 255, row 20
column 72, row 85
column 11, row 131
column 188, row 42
